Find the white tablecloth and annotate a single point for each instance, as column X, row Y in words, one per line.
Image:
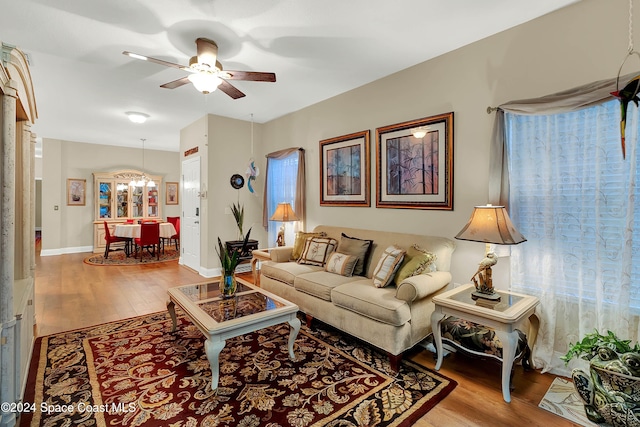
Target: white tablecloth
column 133, row 230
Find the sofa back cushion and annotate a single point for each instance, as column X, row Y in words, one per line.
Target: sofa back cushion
column 441, row 247
column 317, row 250
column 359, row 248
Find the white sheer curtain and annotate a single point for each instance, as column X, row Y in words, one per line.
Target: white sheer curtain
column 284, row 183
column 573, row 197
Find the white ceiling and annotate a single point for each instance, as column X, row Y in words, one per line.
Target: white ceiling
column 318, row 49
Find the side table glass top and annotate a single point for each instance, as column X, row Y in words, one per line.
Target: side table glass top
column 507, row 300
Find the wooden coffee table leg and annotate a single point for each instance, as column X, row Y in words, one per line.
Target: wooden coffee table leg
column 293, row 334
column 213, row 347
column 172, row 312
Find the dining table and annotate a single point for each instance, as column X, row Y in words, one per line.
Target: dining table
column 132, row 231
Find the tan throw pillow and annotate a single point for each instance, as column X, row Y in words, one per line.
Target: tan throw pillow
column 341, row 264
column 359, row 248
column 416, row 261
column 387, row 266
column 301, row 238
column 317, row 250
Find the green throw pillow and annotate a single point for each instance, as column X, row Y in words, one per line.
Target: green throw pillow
column 416, row 261
column 301, row 239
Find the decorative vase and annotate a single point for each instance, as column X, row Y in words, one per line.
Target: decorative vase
column 228, row 285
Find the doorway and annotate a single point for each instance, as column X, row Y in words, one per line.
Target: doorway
column 190, row 223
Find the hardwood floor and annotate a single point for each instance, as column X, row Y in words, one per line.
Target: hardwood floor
column 71, row 294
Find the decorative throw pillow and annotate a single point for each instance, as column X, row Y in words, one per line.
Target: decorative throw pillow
column 317, row 250
column 359, row 248
column 416, row 261
column 387, row 266
column 301, row 238
column 340, row 263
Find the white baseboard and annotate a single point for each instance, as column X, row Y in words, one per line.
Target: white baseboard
column 63, row 251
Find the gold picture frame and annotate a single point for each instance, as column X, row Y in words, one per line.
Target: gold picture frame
column 76, row 192
column 414, row 164
column 345, row 170
column 171, row 195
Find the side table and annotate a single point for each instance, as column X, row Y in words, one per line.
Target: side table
column 503, row 317
column 258, row 255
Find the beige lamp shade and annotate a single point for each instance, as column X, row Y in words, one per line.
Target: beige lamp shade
column 284, row 213
column 491, row 224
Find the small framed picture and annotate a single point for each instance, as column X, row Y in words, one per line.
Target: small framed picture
column 345, row 170
column 414, row 164
column 76, row 192
column 172, row 193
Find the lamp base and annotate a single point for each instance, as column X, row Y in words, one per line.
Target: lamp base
column 475, row 295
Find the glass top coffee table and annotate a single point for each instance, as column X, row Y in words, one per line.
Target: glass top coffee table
column 219, row 319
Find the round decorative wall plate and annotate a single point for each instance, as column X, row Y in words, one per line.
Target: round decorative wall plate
column 237, row 181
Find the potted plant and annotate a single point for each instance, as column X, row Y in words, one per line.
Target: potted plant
column 238, row 214
column 612, row 390
column 229, row 260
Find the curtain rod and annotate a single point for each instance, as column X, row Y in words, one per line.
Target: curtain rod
column 491, row 109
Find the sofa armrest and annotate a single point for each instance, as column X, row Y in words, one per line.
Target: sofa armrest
column 419, row 286
column 281, row 253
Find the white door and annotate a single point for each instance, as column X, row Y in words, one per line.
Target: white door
column 190, row 223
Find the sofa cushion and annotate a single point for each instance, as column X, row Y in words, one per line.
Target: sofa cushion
column 387, row 266
column 416, row 261
column 360, row 248
column 341, row 264
column 319, row 283
column 379, row 304
column 301, row 239
column 285, row 271
column 317, row 250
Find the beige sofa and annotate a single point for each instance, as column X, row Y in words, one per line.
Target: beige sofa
column 393, row 318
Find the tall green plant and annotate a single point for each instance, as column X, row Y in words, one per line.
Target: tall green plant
column 229, row 260
column 238, row 214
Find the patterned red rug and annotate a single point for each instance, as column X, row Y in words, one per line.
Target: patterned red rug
column 136, row 373
column 120, row 258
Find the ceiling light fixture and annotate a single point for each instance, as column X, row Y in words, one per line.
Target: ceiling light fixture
column 137, row 117
column 205, row 82
column 143, row 181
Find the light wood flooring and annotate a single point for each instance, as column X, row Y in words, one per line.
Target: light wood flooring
column 71, row 294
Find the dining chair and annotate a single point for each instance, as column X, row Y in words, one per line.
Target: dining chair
column 175, row 220
column 114, row 239
column 149, row 238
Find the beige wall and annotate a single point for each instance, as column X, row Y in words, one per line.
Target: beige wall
column 582, row 43
column 70, row 228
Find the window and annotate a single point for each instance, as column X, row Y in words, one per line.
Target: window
column 284, row 183
column 572, row 196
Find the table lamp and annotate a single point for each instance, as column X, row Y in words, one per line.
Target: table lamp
column 284, row 213
column 489, row 224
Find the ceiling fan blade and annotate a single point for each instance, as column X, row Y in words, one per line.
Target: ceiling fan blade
column 253, row 76
column 176, row 83
column 230, row 90
column 157, row 61
column 207, row 52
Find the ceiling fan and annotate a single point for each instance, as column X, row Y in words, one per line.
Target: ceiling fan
column 206, row 71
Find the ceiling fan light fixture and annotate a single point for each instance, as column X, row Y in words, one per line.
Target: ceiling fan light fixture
column 137, row 117
column 205, row 82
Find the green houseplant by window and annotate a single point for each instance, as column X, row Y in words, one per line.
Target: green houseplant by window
column 229, row 260
column 612, row 390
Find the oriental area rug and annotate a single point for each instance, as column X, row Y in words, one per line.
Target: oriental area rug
column 120, row 258
column 135, row 372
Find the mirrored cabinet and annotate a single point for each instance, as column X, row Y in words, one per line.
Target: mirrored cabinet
column 116, row 200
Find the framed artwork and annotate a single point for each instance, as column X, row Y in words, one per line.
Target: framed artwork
column 76, row 192
column 345, row 170
column 414, row 164
column 171, row 197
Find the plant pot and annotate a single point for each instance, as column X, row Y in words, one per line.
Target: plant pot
column 228, row 285
column 610, row 397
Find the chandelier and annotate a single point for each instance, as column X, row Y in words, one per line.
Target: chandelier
column 143, row 181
